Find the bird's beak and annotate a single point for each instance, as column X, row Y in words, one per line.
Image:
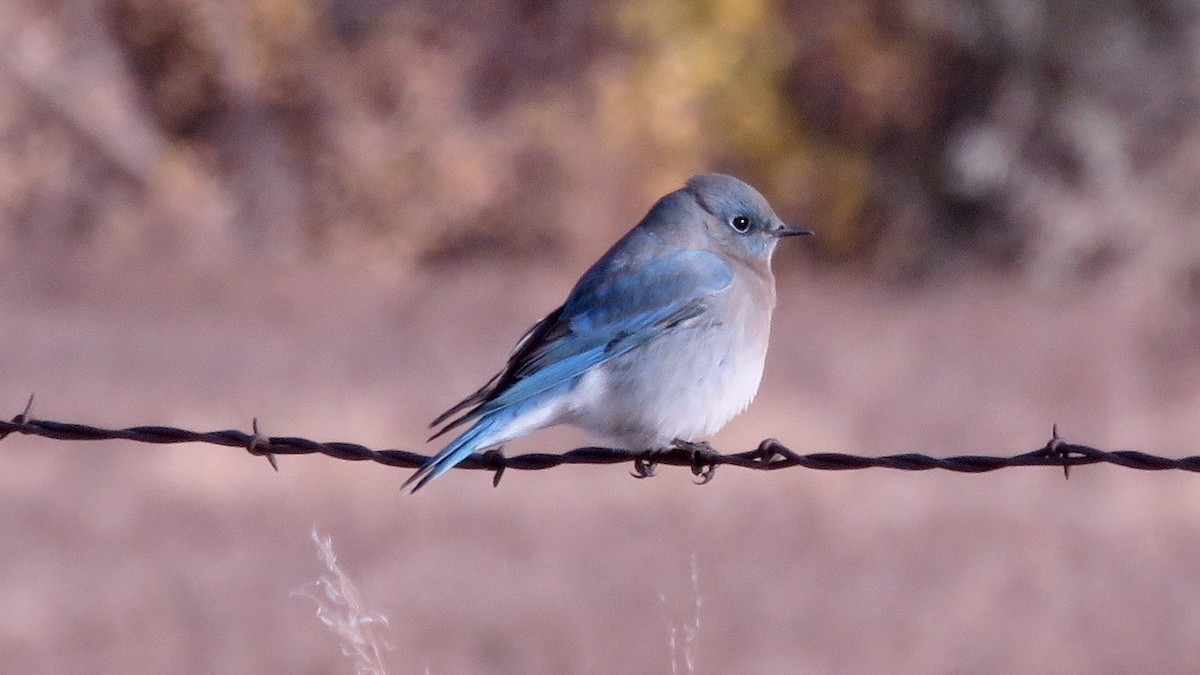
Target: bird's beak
column 788, row 231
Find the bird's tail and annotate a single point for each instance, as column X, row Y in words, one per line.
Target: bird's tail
column 480, row 435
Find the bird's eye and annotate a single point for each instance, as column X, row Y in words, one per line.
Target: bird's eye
column 740, row 223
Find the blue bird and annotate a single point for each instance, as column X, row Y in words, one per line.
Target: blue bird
column 663, row 339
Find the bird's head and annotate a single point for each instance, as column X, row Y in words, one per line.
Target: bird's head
column 741, row 222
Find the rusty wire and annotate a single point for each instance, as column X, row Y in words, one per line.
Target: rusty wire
column 700, row 458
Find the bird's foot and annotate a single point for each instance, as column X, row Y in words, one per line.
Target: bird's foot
column 643, row 468
column 704, row 459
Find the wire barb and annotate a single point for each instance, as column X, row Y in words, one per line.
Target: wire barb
column 257, row 439
column 20, row 419
column 1054, row 448
column 495, row 459
column 700, row 458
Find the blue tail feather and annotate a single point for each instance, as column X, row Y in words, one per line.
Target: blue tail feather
column 462, row 447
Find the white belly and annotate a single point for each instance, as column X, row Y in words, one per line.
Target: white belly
column 686, row 384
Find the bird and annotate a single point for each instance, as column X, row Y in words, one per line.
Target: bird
column 662, row 341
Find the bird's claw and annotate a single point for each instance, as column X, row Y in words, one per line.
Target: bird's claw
column 704, row 472
column 704, row 460
column 643, row 468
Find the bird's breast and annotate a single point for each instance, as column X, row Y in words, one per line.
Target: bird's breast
column 688, row 382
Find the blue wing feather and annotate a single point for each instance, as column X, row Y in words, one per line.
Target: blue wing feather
column 616, row 306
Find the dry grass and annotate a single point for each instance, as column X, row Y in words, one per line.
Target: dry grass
column 341, row 609
column 687, row 632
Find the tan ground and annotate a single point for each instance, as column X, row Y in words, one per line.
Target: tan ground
column 121, row 558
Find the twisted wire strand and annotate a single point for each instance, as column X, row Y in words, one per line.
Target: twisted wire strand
column 770, row 455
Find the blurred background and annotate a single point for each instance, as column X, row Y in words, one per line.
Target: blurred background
column 338, row 216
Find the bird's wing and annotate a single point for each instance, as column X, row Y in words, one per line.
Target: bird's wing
column 613, row 310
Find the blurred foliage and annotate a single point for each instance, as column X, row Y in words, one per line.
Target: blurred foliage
column 1057, row 137
column 704, row 83
column 713, row 84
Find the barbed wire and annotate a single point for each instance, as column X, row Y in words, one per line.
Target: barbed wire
column 770, row 455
